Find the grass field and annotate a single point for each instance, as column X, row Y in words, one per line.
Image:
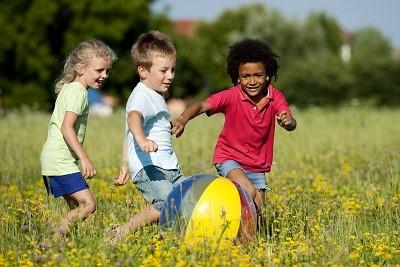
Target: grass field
column 335, row 198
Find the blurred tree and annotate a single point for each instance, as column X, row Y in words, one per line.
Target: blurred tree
column 372, row 64
column 205, row 51
column 271, row 26
column 330, row 34
column 42, row 33
column 390, row 94
column 26, row 59
column 309, row 53
column 315, row 74
column 315, row 81
column 208, row 47
column 188, row 77
column 312, row 72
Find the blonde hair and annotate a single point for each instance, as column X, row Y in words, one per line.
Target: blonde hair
column 82, row 54
column 150, row 44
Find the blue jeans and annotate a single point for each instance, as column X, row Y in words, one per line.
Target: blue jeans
column 155, row 184
column 256, row 178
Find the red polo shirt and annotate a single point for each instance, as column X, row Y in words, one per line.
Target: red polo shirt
column 248, row 133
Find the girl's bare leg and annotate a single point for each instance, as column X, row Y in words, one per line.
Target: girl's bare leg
column 81, row 205
column 72, row 203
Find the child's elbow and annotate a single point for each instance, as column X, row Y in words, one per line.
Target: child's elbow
column 64, row 129
column 205, row 106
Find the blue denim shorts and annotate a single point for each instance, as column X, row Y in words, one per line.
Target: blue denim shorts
column 155, row 183
column 258, row 179
column 65, row 184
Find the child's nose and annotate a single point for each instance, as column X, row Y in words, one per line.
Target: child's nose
column 171, row 75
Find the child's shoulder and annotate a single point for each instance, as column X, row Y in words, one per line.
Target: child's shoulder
column 139, row 95
column 230, row 90
column 273, row 91
column 138, row 90
column 226, row 95
column 73, row 88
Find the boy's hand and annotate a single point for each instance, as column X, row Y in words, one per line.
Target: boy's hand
column 148, row 145
column 286, row 120
column 177, row 127
column 88, row 169
column 123, row 176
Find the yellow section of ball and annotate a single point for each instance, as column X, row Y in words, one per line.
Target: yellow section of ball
column 217, row 213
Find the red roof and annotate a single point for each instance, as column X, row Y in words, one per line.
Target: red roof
column 347, row 36
column 185, row 27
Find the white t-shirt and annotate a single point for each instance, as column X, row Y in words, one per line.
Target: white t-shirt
column 156, row 126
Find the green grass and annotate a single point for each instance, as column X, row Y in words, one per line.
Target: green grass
column 335, row 198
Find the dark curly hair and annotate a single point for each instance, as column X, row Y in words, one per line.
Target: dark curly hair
column 251, row 51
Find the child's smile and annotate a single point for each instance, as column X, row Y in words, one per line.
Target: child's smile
column 253, row 80
column 161, row 73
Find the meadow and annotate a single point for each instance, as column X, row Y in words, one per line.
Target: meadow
column 335, row 198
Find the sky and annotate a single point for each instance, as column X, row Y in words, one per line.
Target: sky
column 351, row 15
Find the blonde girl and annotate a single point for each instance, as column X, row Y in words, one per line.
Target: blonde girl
column 88, row 65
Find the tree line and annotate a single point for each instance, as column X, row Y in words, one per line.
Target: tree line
column 38, row 34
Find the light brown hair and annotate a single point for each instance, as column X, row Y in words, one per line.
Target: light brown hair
column 81, row 54
column 151, row 44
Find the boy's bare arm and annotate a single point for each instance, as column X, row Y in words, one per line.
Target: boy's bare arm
column 197, row 108
column 135, row 124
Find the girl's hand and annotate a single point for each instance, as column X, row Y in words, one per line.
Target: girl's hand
column 123, row 176
column 88, row 169
column 148, row 145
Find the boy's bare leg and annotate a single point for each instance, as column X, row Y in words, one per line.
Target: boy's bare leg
column 238, row 176
column 146, row 216
column 260, row 203
column 259, row 200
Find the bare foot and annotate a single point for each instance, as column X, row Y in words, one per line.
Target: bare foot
column 116, row 233
column 62, row 230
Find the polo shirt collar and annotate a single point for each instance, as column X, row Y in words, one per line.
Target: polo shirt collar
column 245, row 97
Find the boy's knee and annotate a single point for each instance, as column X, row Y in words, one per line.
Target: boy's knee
column 250, row 189
column 161, row 195
column 158, row 204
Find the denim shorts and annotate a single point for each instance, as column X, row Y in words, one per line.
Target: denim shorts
column 155, row 183
column 256, row 178
column 65, row 184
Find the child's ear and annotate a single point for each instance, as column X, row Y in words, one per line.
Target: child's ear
column 79, row 69
column 142, row 71
column 267, row 78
